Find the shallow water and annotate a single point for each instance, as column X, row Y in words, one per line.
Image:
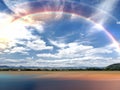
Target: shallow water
column 16, row 82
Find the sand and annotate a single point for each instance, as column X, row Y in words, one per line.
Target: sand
column 74, row 75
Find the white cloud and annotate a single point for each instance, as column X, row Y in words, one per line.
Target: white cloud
column 5, row 20
column 38, row 45
column 71, row 54
column 79, row 55
column 39, row 27
column 2, row 46
column 73, row 50
column 118, row 22
column 16, row 32
column 74, row 55
column 48, row 55
column 19, row 50
column 76, row 62
column 58, row 44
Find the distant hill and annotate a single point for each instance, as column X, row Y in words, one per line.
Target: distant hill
column 4, row 67
column 113, row 67
column 32, row 68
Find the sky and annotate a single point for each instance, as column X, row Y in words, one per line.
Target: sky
column 59, row 33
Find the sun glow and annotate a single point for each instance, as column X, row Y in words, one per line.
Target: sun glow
column 11, row 31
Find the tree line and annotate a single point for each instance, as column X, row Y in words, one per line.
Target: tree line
column 113, row 67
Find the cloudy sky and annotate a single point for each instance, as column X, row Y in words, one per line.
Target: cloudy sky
column 59, row 33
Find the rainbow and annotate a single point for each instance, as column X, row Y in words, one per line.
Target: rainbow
column 65, row 7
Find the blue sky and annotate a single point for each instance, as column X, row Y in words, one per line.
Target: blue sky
column 59, row 33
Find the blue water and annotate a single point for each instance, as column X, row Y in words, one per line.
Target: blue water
column 15, row 82
column 5, row 76
column 21, row 82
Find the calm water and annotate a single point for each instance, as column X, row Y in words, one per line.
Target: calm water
column 12, row 82
column 15, row 82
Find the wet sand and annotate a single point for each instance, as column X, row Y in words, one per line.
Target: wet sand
column 80, row 80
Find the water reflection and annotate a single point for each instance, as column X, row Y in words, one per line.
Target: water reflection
column 15, row 82
column 8, row 82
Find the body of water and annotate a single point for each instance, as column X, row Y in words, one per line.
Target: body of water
column 15, row 82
